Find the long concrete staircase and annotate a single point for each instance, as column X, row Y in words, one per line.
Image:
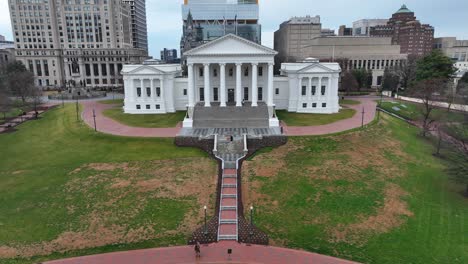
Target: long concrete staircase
column 230, row 152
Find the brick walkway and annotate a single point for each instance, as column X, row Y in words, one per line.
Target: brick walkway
column 369, row 105
column 213, row 253
column 110, row 126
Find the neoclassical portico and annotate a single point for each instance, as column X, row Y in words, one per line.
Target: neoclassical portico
column 230, row 70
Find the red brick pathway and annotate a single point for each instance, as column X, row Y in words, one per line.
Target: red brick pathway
column 369, row 105
column 213, row 253
column 110, row 126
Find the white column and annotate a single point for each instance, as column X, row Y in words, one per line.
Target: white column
column 162, row 92
column 153, row 89
column 270, row 84
column 299, row 93
column 222, row 69
column 142, row 90
column 191, row 90
column 207, row 88
column 309, row 90
column 254, row 84
column 238, row 84
column 319, row 90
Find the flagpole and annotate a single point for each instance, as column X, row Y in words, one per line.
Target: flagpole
column 235, row 21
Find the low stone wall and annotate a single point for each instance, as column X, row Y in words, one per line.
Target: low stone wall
column 247, row 233
column 203, row 144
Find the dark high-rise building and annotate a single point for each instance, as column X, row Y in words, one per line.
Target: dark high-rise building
column 413, row 37
column 138, row 19
column 206, row 20
column 345, row 31
column 169, row 56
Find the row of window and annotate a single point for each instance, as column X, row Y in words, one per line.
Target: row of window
column 314, row 105
column 148, row 107
column 231, row 72
column 313, row 90
column 148, row 91
column 202, row 93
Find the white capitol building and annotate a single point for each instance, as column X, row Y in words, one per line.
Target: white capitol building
column 231, row 73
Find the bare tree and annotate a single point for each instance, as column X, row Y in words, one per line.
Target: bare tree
column 427, row 90
column 349, row 82
column 407, row 71
column 5, row 104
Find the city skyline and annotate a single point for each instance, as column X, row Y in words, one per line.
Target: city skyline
column 165, row 19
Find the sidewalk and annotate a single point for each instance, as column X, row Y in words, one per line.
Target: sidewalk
column 110, row 126
column 367, row 103
column 212, row 253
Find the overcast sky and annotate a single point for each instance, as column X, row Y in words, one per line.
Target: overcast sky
column 449, row 17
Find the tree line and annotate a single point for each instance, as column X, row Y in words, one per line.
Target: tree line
column 17, row 88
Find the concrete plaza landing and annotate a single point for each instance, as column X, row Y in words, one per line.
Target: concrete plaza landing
column 212, row 253
column 231, row 116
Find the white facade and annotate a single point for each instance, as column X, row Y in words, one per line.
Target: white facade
column 229, row 71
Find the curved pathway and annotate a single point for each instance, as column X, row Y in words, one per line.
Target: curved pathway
column 110, row 126
column 212, row 253
column 367, row 103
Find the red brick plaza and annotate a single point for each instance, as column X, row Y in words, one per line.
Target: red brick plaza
column 213, row 253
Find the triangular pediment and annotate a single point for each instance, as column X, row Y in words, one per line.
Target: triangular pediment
column 317, row 68
column 145, row 69
column 230, row 45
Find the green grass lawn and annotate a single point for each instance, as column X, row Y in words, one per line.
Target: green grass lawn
column 65, row 188
column 15, row 112
column 299, row 119
column 113, row 101
column 349, row 102
column 374, row 196
column 412, row 111
column 145, row 120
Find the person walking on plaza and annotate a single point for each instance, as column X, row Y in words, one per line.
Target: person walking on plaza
column 197, row 249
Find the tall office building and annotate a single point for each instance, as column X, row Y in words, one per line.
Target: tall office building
column 206, row 20
column 169, row 56
column 413, row 37
column 74, row 42
column 139, row 29
column 362, row 27
column 294, row 34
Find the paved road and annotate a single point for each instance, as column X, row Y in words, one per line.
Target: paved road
column 367, row 103
column 213, row 253
column 110, row 126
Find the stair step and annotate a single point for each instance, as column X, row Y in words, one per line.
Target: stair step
column 227, row 237
column 228, row 221
column 229, row 176
column 229, row 185
column 228, row 208
column 228, row 195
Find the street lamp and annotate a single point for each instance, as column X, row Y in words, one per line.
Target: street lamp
column 206, row 230
column 251, row 220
